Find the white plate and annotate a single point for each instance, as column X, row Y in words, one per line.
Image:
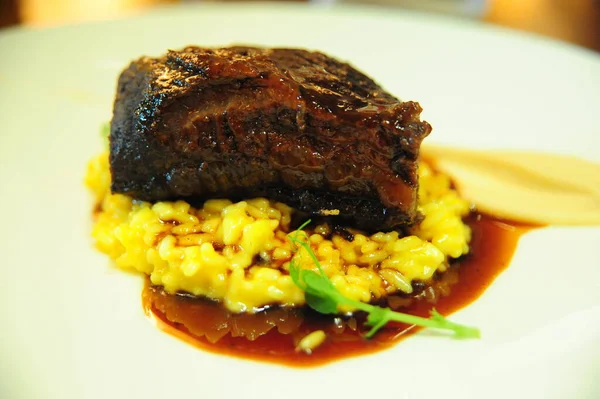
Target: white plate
column 73, row 328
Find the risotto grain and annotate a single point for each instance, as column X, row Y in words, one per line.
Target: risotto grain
column 239, row 253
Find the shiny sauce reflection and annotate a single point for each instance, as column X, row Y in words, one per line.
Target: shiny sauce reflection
column 273, row 334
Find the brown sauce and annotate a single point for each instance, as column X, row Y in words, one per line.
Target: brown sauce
column 273, row 335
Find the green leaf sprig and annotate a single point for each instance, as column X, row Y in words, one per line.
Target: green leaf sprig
column 323, row 297
column 105, row 133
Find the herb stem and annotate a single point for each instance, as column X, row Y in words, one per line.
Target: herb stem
column 322, row 296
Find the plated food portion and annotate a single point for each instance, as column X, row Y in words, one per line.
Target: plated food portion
column 218, row 160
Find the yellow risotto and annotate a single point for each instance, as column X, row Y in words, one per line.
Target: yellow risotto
column 239, row 253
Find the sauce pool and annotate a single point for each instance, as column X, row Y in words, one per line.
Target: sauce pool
column 273, row 335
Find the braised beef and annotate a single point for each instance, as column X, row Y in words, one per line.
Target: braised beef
column 292, row 125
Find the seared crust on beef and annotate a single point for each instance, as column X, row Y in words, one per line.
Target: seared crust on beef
column 292, row 125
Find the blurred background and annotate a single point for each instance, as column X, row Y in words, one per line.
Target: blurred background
column 574, row 21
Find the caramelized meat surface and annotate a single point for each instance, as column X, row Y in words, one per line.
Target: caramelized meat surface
column 292, row 125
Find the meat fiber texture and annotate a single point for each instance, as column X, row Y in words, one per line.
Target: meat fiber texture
column 292, row 125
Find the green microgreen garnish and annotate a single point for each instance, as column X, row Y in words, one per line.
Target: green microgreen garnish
column 104, row 133
column 323, row 297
